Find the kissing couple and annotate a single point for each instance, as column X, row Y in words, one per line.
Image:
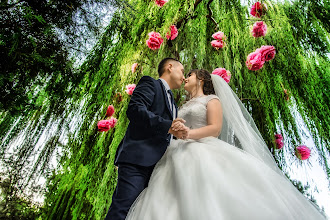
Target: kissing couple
column 205, row 161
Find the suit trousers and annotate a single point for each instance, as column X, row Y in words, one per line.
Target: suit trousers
column 132, row 180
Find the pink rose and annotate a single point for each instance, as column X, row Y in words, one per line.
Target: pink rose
column 279, row 136
column 258, row 10
column 219, row 36
column 103, row 125
column 161, row 3
column 254, row 61
column 267, row 52
column 222, row 72
column 217, row 44
column 112, row 122
column 173, row 33
column 155, row 40
column 279, row 143
column 130, row 88
column 259, row 29
column 110, row 111
column 134, row 66
column 303, row 152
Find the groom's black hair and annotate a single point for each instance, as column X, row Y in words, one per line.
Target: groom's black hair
column 162, row 63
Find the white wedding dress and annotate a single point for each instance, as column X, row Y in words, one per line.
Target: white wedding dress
column 209, row 179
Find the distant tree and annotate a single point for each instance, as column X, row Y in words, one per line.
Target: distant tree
column 35, row 38
column 14, row 203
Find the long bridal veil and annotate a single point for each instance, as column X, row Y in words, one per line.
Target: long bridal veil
column 238, row 127
column 240, row 130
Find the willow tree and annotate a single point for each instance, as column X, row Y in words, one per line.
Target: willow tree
column 296, row 80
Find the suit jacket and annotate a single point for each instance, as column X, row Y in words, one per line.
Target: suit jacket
column 150, row 116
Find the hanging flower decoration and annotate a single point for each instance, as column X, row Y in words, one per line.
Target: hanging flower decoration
column 161, row 3
column 267, row 52
column 130, row 88
column 113, row 122
column 110, row 111
column 303, row 152
column 222, row 72
column 155, row 40
column 256, row 59
column 219, row 40
column 219, row 35
column 173, row 33
column 279, row 141
column 279, row 136
column 134, row 66
column 217, row 44
column 258, row 9
column 259, row 29
column 105, row 125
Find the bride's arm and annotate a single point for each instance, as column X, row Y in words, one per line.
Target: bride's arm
column 214, row 122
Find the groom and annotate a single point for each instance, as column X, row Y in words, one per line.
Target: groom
column 152, row 112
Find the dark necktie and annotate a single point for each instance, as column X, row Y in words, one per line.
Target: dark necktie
column 172, row 101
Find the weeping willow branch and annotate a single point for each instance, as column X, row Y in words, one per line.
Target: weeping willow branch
column 210, row 15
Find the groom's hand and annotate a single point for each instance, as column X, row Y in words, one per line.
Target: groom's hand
column 178, row 124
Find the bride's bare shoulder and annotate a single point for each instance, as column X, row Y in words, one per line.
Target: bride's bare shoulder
column 211, row 97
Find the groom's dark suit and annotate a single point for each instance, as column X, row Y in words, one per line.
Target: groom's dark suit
column 145, row 142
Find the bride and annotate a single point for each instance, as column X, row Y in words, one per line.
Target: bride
column 222, row 169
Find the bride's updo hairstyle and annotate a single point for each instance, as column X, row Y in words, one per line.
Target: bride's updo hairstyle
column 204, row 75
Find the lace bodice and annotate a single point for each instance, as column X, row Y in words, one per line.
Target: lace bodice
column 194, row 111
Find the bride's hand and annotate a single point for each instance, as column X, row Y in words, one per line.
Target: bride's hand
column 185, row 133
column 180, row 134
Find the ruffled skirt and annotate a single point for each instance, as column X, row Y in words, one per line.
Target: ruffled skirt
column 209, row 179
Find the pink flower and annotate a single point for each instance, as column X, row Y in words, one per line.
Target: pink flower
column 112, row 122
column 103, row 125
column 219, row 36
column 279, row 143
column 254, row 61
column 110, row 111
column 267, row 52
column 279, row 136
column 134, row 66
column 258, row 10
column 130, row 88
column 217, row 44
column 303, row 152
column 155, row 40
column 222, row 72
column 161, row 3
column 173, row 33
column 259, row 29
